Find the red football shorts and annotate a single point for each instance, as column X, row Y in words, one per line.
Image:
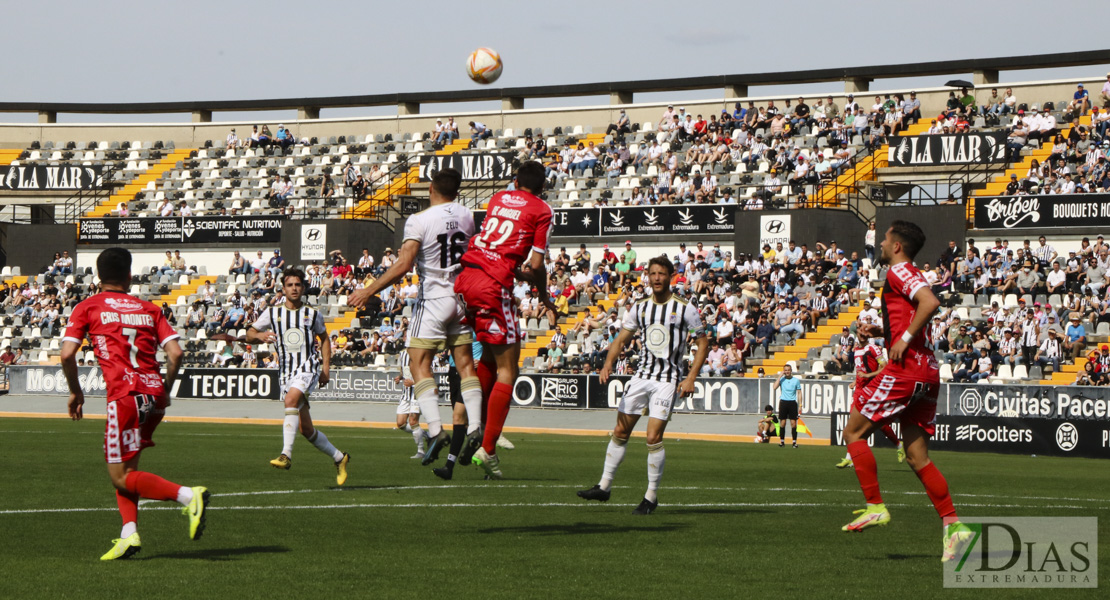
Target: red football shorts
column 122, row 440
column 908, row 396
column 490, row 310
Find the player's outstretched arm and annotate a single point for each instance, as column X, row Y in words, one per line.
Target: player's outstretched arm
column 615, row 350
column 325, row 357
column 406, row 258
column 926, row 304
column 538, row 269
column 69, row 368
column 255, row 336
column 686, row 387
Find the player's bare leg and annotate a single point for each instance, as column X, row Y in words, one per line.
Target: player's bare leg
column 320, row 441
column 132, row 484
column 614, row 455
column 956, row 534
column 507, row 357
column 856, row 432
column 427, row 398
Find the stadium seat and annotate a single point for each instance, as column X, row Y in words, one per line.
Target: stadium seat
column 1005, row 372
column 945, row 372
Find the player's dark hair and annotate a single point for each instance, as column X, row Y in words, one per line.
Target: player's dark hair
column 530, row 176
column 447, row 182
column 664, row 262
column 114, row 266
column 292, row 272
column 910, row 235
column 768, row 407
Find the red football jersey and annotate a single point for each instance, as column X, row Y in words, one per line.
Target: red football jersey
column 903, row 280
column 866, row 360
column 516, row 224
column 125, row 333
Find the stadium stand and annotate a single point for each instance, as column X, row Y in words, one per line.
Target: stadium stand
column 759, row 157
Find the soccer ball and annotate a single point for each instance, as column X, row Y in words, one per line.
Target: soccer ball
column 484, row 65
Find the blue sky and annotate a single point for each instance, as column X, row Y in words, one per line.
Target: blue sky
column 128, row 51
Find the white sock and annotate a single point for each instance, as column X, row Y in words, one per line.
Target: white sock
column 289, row 430
column 129, row 529
column 418, row 437
column 614, row 454
column 406, row 427
column 184, row 495
column 657, row 457
column 472, row 401
column 848, row 456
column 427, row 396
column 322, row 444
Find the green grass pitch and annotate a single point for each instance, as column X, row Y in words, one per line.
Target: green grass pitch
column 735, row 520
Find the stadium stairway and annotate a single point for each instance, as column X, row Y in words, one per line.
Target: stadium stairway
column 8, row 155
column 800, row 349
column 864, row 170
column 1067, row 373
column 383, row 196
column 997, row 186
column 127, row 192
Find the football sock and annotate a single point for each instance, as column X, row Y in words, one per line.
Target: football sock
column 322, row 444
column 866, row 470
column 656, row 458
column 427, row 396
column 458, row 438
column 146, row 430
column 289, row 430
column 472, row 399
column 129, row 529
column 487, row 376
column 847, row 456
column 794, row 432
column 888, row 431
column 499, row 400
column 153, row 487
column 614, row 454
column 128, row 503
column 406, row 427
column 937, row 489
column 782, row 432
column 418, row 439
column 184, row 495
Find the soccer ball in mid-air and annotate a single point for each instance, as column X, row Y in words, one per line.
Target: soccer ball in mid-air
column 484, row 65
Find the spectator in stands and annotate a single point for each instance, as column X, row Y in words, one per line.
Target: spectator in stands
column 1075, row 337
column 327, row 188
column 232, row 140
column 215, row 321
column 276, row 264
column 1087, row 376
column 1094, row 278
column 7, row 356
column 479, row 131
column 284, row 138
column 20, row 358
column 1080, row 102
column 621, row 127
column 1051, row 351
column 195, row 317
column 165, row 207
column 365, row 264
column 235, row 317
column 238, row 265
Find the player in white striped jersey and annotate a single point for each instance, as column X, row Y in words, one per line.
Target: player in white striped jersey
column 408, row 411
column 304, row 361
column 664, row 321
column 434, row 241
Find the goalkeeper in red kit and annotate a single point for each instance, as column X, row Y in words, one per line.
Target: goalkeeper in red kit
column 906, row 389
column 125, row 333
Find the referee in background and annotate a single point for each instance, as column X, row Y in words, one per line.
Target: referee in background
column 788, row 404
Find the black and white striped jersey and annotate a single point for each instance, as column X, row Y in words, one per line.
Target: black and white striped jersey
column 406, row 373
column 298, row 350
column 664, row 329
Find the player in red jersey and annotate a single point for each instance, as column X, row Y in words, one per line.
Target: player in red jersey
column 906, row 389
column 125, row 333
column 867, row 362
column 512, row 243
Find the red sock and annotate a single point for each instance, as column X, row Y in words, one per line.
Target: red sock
column 499, row 401
column 937, row 489
column 128, row 506
column 487, row 377
column 888, row 431
column 866, row 470
column 151, row 486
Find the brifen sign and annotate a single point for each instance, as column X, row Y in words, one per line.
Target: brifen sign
column 473, row 167
column 673, row 222
column 182, row 230
column 1047, row 437
column 1039, row 212
column 42, row 178
column 956, row 149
